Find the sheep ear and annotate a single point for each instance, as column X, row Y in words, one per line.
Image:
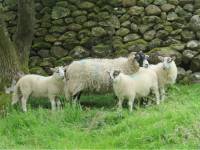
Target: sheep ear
column 161, row 58
column 53, row 69
column 173, row 58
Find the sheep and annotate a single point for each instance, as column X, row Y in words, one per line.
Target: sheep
column 166, row 72
column 134, row 86
column 90, row 75
column 40, row 86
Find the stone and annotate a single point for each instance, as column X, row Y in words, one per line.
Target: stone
column 173, row 2
column 183, row 2
column 189, row 7
column 57, row 29
column 67, row 35
column 134, row 27
column 89, row 24
column 136, row 10
column 187, row 35
column 181, row 73
column 195, row 65
column 74, row 27
column 57, row 22
column 151, row 19
column 60, row 12
column 80, row 19
column 162, row 34
column 65, row 60
column 196, row 4
column 98, row 31
column 195, row 77
column 45, row 63
column 79, row 52
column 167, row 7
column 188, row 55
column 101, row 50
column 124, row 17
column 48, row 3
column 122, row 31
column 128, row 3
column 78, row 13
column 154, row 43
column 41, row 44
column 136, row 45
column 152, row 10
column 144, row 3
column 126, row 23
column 195, row 23
column 149, row 35
column 114, row 22
column 145, row 27
column 160, row 2
column 44, row 53
column 34, row 61
column 58, row 51
column 62, row 4
column 86, row 5
column 37, row 70
column 69, row 20
column 131, row 37
column 179, row 46
column 193, row 44
column 172, row 16
column 164, row 51
column 50, row 38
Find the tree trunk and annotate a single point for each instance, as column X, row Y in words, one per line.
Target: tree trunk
column 25, row 29
column 9, row 64
column 14, row 56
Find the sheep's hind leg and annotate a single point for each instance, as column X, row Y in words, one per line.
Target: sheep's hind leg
column 162, row 92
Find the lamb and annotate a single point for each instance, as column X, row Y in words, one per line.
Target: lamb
column 166, row 72
column 134, row 86
column 90, row 75
column 40, row 86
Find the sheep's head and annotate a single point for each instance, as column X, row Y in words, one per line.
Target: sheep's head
column 167, row 61
column 140, row 58
column 58, row 72
column 114, row 73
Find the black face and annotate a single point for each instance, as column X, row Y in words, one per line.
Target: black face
column 140, row 57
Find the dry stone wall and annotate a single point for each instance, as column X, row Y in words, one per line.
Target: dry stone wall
column 74, row 29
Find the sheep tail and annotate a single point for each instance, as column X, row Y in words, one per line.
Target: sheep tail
column 16, row 94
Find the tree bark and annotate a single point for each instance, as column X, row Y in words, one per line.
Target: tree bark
column 24, row 33
column 14, row 56
column 9, row 64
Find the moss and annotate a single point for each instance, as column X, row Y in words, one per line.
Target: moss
column 121, row 52
column 65, row 60
column 136, row 42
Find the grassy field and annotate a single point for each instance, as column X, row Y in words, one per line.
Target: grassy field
column 174, row 124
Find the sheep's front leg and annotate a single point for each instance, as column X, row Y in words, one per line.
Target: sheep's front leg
column 155, row 90
column 24, row 101
column 162, row 93
column 130, row 103
column 120, row 103
column 53, row 103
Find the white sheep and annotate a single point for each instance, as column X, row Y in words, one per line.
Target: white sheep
column 40, row 86
column 90, row 75
column 166, row 72
column 134, row 86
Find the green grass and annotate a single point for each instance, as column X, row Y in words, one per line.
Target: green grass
column 175, row 124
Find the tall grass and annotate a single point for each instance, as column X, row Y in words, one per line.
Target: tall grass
column 174, row 124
